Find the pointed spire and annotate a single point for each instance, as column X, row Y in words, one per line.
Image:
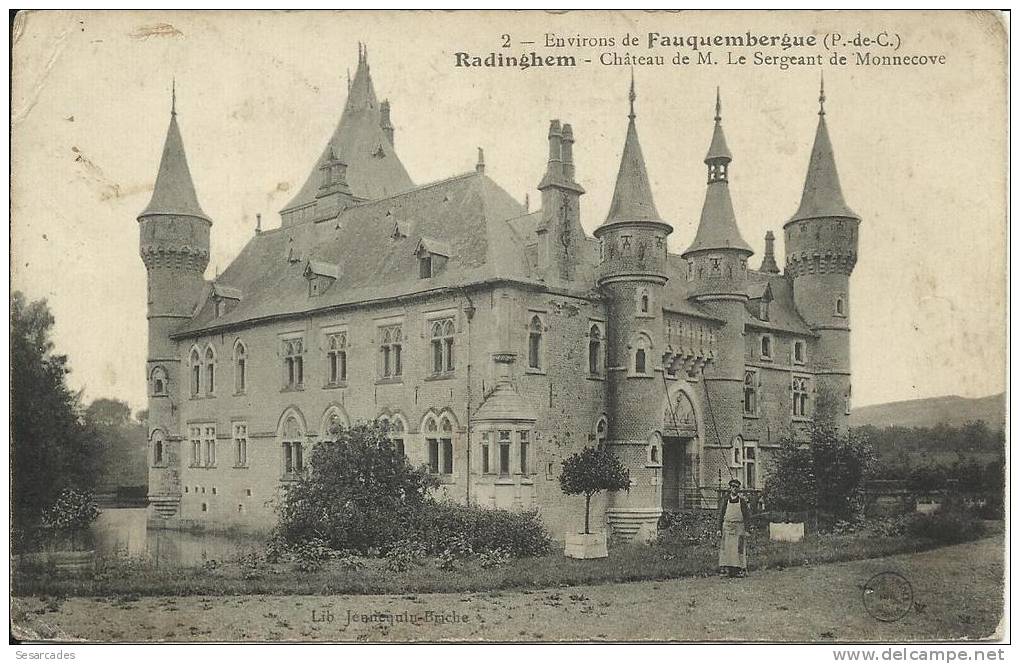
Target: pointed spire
column 633, row 95
column 823, row 195
column 768, row 261
column 717, row 228
column 632, row 198
column 718, row 152
column 174, row 191
column 821, row 94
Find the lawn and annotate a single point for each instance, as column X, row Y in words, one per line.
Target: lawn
column 251, row 575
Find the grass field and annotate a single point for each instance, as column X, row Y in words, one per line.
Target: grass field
column 135, row 578
column 957, row 593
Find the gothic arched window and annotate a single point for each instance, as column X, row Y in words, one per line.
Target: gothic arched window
column 159, row 382
column 750, row 393
column 336, row 354
column 196, row 373
column 442, row 345
column 210, row 370
column 240, row 367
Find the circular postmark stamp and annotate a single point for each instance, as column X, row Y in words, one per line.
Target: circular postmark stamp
column 888, row 596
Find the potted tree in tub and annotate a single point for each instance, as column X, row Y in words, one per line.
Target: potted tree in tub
column 586, row 473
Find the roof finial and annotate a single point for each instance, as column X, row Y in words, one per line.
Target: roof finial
column 718, row 106
column 821, row 95
column 173, row 96
column 633, row 95
column 348, row 80
column 480, row 166
column 258, row 223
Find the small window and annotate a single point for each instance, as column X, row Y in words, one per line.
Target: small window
column 644, row 301
column 293, row 364
column 159, row 382
column 504, row 453
column 640, row 361
column 240, row 367
column 800, row 397
column 336, row 356
column 205, row 507
column 750, row 393
column 594, row 350
column 840, row 306
column 766, row 347
column 798, row 352
column 209, row 440
column 425, row 266
column 523, row 437
column 763, row 309
column 210, row 370
column 247, row 492
column 390, row 351
column 640, row 355
column 195, row 440
column 601, row 431
column 535, row 343
column 240, row 445
column 485, row 453
column 158, row 451
column 441, row 334
column 196, row 373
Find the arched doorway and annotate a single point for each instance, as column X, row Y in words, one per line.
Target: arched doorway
column 680, row 453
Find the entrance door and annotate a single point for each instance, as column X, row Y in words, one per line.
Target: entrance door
column 673, row 452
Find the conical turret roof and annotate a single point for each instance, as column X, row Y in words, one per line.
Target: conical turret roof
column 717, row 228
column 632, row 198
column 823, row 195
column 373, row 168
column 174, row 192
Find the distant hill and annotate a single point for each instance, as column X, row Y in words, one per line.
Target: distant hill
column 950, row 410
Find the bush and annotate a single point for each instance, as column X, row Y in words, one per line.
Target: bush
column 946, row 526
column 463, row 530
column 404, row 555
column 688, row 528
column 360, row 494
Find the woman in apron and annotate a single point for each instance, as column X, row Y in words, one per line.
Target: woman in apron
column 734, row 514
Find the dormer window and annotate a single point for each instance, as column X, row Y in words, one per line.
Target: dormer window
column 320, row 276
column 763, row 309
column 432, row 256
column 798, row 352
column 225, row 298
column 766, row 347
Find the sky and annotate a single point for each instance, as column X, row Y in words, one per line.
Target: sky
column 921, row 153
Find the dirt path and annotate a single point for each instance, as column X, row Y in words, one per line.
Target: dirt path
column 957, row 592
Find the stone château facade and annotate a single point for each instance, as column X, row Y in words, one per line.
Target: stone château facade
column 494, row 340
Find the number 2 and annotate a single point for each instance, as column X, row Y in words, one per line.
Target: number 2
column 506, row 40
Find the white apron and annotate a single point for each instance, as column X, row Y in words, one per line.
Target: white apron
column 732, row 551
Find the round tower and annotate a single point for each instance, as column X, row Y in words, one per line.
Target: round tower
column 717, row 280
column 631, row 276
column 821, row 251
column 174, row 245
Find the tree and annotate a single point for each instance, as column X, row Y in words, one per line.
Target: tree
column 121, row 444
column 359, row 493
column 590, row 471
column 52, row 444
column 827, row 474
column 109, row 412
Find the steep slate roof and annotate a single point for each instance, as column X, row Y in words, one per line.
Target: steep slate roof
column 717, row 228
column 823, row 195
column 504, row 404
column 373, row 168
column 632, row 198
column 174, row 192
column 783, row 314
column 467, row 213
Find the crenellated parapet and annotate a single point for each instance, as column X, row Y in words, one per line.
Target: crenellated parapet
column 816, row 262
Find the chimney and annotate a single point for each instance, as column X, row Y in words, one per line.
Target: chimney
column 384, row 122
column 480, row 166
column 555, row 168
column 258, row 223
column 768, row 261
column 567, row 153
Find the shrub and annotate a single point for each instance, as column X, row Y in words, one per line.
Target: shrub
column 463, row 530
column 590, row 471
column 360, row 493
column 827, row 474
column 70, row 515
column 947, row 526
column 688, row 528
column 404, row 555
